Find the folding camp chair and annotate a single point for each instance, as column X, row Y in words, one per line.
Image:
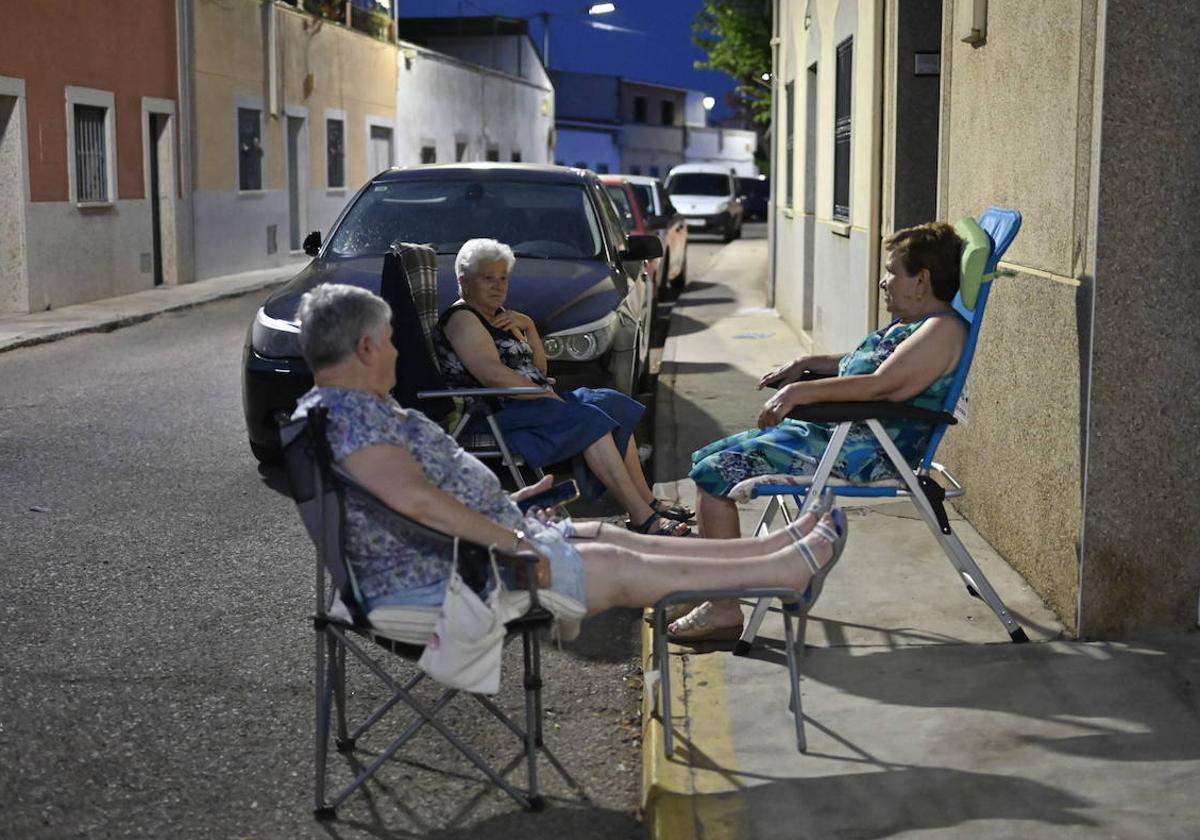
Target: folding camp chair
column 320, row 488
column 985, row 242
column 410, row 280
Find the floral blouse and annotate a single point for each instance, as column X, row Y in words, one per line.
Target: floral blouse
column 382, row 562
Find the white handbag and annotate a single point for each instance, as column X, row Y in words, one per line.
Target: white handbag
column 465, row 649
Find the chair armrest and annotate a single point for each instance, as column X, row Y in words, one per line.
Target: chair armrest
column 522, row 391
column 809, row 376
column 842, row 412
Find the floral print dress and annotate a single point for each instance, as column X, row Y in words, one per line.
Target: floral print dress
column 795, row 446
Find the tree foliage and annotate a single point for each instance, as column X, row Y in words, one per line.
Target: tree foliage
column 736, row 35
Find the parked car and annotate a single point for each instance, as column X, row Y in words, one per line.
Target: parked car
column 707, row 195
column 578, row 274
column 755, row 193
column 645, row 209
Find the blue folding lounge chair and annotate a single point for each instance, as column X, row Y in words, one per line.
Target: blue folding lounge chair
column 986, row 241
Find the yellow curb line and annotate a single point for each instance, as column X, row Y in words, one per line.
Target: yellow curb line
column 694, row 795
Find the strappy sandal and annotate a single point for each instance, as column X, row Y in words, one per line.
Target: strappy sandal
column 835, row 535
column 823, row 506
column 696, row 627
column 673, row 612
column 658, row 526
column 669, row 511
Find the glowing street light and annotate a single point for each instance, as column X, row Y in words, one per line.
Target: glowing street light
column 708, row 102
column 602, row 8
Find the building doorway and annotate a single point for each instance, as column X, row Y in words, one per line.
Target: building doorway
column 381, row 150
column 160, row 192
column 14, row 288
column 810, row 198
column 918, row 91
column 296, row 182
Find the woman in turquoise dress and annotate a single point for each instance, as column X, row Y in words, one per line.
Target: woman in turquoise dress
column 911, row 360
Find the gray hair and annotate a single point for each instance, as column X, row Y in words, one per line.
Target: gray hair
column 476, row 253
column 333, row 317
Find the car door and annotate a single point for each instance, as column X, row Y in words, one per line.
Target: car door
column 641, row 292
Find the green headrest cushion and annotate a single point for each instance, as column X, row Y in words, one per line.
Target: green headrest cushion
column 977, row 247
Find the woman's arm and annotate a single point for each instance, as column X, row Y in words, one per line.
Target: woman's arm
column 929, row 353
column 790, row 372
column 526, row 330
column 393, row 475
column 475, row 346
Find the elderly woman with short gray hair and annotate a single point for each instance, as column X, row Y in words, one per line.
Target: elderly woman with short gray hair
column 480, row 343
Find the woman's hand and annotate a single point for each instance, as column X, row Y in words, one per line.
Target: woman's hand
column 546, row 482
column 782, row 375
column 512, row 320
column 777, row 408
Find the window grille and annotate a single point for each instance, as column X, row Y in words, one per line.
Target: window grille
column 639, row 109
column 493, row 154
column 516, row 157
column 91, row 154
column 335, row 153
column 249, row 149
column 428, row 154
column 460, row 151
column 668, row 112
column 841, row 132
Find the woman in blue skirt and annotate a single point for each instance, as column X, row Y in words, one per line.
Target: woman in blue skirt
column 479, row 343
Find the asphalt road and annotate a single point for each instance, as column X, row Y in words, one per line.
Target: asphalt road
column 156, row 665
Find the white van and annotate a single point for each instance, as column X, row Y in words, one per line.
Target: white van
column 706, row 194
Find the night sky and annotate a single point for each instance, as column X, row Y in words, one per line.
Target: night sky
column 660, row 50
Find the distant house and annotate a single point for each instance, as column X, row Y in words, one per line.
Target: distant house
column 89, row 155
column 612, row 124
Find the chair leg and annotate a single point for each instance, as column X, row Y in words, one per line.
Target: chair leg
column 791, row 640
column 977, row 582
column 775, row 506
column 502, row 445
column 664, row 680
column 533, row 724
column 324, row 699
column 344, row 742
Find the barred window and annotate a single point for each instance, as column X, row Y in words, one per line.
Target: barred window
column 250, row 149
column 841, row 131
column 516, row 156
column 493, row 153
column 335, row 153
column 460, row 150
column 91, row 154
column 428, row 154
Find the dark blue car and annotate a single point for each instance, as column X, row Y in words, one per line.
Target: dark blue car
column 578, row 275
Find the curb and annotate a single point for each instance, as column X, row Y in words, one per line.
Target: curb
column 43, row 328
column 695, row 794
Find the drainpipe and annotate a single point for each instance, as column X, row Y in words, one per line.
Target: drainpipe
column 186, row 134
column 873, row 231
column 773, row 207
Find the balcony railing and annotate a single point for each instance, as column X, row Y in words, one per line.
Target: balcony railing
column 367, row 16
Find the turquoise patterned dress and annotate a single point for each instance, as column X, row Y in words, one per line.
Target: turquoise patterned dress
column 794, row 446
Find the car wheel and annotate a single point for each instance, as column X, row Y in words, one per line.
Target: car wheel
column 730, row 233
column 738, row 233
column 678, row 283
column 266, row 454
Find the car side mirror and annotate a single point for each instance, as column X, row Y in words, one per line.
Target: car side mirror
column 642, row 248
column 312, row 243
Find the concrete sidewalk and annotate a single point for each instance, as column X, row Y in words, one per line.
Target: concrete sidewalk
column 113, row 313
column 923, row 720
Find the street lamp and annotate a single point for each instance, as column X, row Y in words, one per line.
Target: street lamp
column 592, row 9
column 708, row 102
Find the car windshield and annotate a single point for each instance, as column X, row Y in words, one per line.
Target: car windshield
column 620, row 200
column 535, row 219
column 645, row 199
column 698, row 183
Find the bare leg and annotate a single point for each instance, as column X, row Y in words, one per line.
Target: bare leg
column 736, row 549
column 619, row 577
column 608, row 465
column 634, row 465
column 717, row 518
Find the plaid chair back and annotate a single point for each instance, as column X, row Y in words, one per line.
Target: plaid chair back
column 420, row 267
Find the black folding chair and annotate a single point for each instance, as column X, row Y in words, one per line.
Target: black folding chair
column 320, row 488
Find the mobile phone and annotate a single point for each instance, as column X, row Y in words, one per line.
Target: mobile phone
column 559, row 494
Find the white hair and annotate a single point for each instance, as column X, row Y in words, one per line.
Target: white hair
column 476, row 253
column 333, row 317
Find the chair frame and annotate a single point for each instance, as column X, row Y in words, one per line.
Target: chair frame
column 919, row 485
column 318, row 482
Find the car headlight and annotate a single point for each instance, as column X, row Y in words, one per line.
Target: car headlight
column 582, row 343
column 273, row 337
